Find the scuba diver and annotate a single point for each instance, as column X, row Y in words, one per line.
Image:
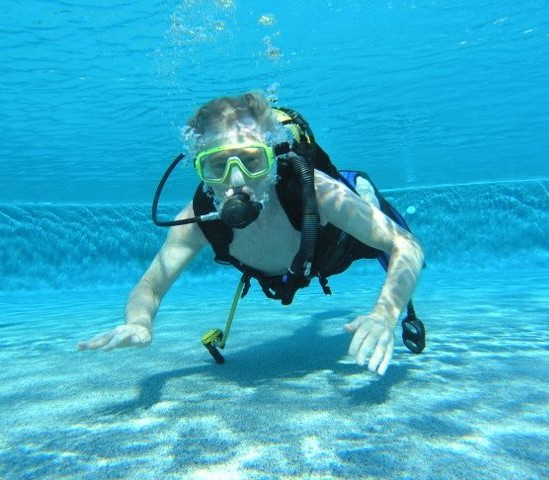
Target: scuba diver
column 272, row 204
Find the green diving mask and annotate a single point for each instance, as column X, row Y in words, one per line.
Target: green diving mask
column 254, row 160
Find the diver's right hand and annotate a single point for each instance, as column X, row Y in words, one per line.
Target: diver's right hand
column 131, row 335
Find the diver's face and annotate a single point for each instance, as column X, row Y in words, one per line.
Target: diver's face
column 236, row 163
column 236, row 182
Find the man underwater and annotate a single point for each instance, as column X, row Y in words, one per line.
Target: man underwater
column 245, row 178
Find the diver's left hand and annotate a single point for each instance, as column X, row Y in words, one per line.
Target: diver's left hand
column 374, row 338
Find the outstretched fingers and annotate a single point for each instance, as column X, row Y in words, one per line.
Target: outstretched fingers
column 121, row 336
column 379, row 361
column 372, row 339
column 364, row 349
column 96, row 342
column 119, row 339
column 129, row 337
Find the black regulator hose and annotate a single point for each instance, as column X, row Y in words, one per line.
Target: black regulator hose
column 303, row 261
column 172, row 223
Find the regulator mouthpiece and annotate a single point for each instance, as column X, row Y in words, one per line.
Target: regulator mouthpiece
column 239, row 210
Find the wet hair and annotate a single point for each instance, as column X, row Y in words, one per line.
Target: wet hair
column 250, row 111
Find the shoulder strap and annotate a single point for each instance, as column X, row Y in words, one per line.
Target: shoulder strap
column 216, row 232
column 304, row 140
column 289, row 193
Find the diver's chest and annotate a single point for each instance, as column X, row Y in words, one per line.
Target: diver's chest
column 268, row 245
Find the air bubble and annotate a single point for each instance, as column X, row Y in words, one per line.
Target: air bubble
column 267, row 20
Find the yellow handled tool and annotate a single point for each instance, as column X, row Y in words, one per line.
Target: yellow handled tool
column 215, row 338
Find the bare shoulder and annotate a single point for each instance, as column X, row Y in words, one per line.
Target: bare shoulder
column 336, row 200
column 342, row 207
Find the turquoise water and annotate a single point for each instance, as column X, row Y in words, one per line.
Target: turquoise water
column 445, row 105
column 418, row 93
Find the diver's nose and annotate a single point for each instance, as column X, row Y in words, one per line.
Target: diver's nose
column 236, row 178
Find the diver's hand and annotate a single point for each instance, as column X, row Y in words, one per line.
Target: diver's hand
column 122, row 336
column 374, row 338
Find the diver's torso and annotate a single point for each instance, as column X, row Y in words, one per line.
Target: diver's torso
column 270, row 243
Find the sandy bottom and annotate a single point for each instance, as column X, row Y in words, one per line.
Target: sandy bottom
column 287, row 403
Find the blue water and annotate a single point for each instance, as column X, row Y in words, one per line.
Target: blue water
column 418, row 93
column 445, row 105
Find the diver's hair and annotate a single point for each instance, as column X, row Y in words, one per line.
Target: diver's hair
column 224, row 113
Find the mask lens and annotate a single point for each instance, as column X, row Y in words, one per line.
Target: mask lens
column 254, row 160
column 213, row 165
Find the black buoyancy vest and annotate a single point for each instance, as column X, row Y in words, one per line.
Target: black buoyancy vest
column 335, row 249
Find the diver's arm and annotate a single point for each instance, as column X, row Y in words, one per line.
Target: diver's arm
column 181, row 245
column 347, row 211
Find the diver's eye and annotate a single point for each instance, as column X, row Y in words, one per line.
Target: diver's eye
column 216, row 164
column 252, row 162
column 253, row 159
